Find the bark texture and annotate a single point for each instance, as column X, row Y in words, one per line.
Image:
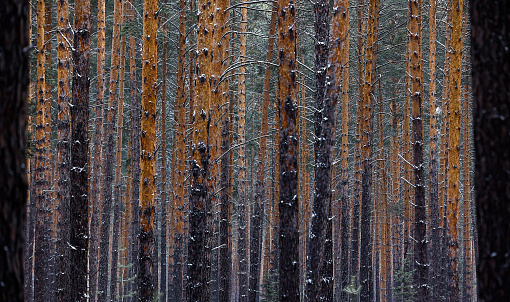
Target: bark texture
column 288, row 151
column 146, row 273
column 79, row 238
column 320, row 270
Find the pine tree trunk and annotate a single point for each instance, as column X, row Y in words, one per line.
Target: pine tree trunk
column 199, row 249
column 14, row 81
column 288, row 151
column 420, row 210
column 225, row 227
column 42, row 183
column 340, row 49
column 63, row 152
column 179, row 170
column 434, row 217
column 79, row 153
column 163, row 165
column 97, row 179
column 452, row 204
column 147, row 274
column 118, row 198
column 133, row 195
column 320, row 267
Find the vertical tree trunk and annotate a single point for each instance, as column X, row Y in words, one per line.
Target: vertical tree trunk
column 179, row 170
column 97, row 179
column 163, row 165
column 118, row 198
column 14, row 78
column 320, row 270
column 340, row 72
column 454, row 148
column 420, row 215
column 366, row 275
column 146, row 274
column 434, row 217
column 225, row 228
column 199, row 248
column 133, row 195
column 289, row 150
column 468, row 283
column 63, row 151
column 241, row 163
column 79, row 239
column 42, row 168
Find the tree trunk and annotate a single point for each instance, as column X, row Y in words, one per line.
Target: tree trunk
column 320, row 269
column 163, row 165
column 434, row 217
column 244, row 217
column 42, row 168
column 14, row 78
column 179, row 164
column 288, row 150
column 147, row 275
column 79, row 239
column 133, row 195
column 63, row 152
column 199, row 249
column 420, row 210
column 452, row 205
column 340, row 72
column 97, row 178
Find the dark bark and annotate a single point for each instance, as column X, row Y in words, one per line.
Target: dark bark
column 225, row 250
column 79, row 239
column 288, row 152
column 115, row 244
column 490, row 23
column 320, row 266
column 242, row 248
column 14, row 74
column 255, row 249
column 135, row 113
column 63, row 156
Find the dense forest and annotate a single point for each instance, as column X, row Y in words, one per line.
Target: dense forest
column 237, row 150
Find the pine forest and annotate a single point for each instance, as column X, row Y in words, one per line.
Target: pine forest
column 240, row 150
